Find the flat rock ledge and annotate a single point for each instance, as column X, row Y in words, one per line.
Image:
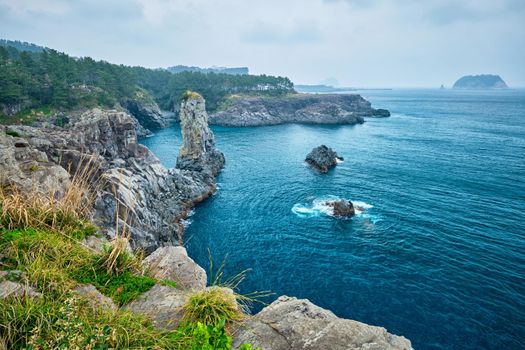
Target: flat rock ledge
column 322, row 158
column 94, row 298
column 297, row 324
column 173, row 263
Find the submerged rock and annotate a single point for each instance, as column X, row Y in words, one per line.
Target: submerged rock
column 198, row 152
column 297, row 324
column 342, row 208
column 173, row 263
column 322, row 158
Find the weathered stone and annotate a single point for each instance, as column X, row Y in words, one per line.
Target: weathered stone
column 294, row 108
column 173, row 263
column 342, row 208
column 10, row 289
column 94, row 298
column 381, row 113
column 198, row 152
column 163, row 304
column 95, row 243
column 297, row 324
column 322, row 158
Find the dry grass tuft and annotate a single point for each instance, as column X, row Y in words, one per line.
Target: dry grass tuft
column 54, row 210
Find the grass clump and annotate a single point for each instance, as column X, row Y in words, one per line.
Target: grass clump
column 213, row 306
column 12, row 132
column 188, row 94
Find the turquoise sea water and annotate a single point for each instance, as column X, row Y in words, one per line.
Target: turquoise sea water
column 438, row 255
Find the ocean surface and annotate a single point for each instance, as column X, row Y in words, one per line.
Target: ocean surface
column 438, row 253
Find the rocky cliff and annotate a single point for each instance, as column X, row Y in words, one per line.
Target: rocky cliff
column 294, row 108
column 136, row 187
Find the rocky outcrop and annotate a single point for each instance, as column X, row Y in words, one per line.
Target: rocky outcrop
column 135, row 186
column 297, row 324
column 323, row 158
column 94, row 298
column 342, row 208
column 162, row 304
column 294, row 108
column 173, row 263
column 380, row 113
column 148, row 114
column 9, row 289
column 198, row 152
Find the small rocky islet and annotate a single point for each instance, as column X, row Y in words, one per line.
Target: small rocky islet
column 38, row 158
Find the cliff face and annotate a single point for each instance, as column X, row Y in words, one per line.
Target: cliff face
column 151, row 198
column 295, row 108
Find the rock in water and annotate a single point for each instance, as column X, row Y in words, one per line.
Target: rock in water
column 342, row 208
column 322, row 158
column 381, row 113
column 198, row 152
column 293, row 324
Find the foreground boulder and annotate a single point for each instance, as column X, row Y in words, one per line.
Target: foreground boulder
column 9, row 289
column 173, row 263
column 162, row 304
column 94, row 298
column 342, row 208
column 322, row 158
column 297, row 324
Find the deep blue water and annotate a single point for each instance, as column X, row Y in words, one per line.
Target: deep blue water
column 439, row 258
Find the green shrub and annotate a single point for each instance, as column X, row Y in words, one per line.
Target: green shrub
column 12, row 132
column 213, row 306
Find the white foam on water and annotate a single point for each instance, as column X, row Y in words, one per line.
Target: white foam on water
column 319, row 207
column 339, row 161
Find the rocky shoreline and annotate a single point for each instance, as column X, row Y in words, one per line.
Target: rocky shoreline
column 239, row 111
column 139, row 192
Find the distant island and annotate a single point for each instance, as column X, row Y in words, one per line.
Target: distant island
column 483, row 81
column 218, row 70
column 320, row 88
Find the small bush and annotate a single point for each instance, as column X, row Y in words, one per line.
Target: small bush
column 12, row 132
column 213, row 305
column 188, row 94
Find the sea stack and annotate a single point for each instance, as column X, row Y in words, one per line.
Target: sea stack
column 323, row 158
column 198, row 152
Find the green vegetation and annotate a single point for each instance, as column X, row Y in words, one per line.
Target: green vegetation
column 12, row 132
column 41, row 238
column 38, row 82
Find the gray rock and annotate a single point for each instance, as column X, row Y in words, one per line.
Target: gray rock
column 198, row 152
column 297, row 324
column 95, row 243
column 173, row 263
column 342, row 208
column 380, row 113
column 94, row 298
column 153, row 200
column 322, row 158
column 162, row 304
column 9, row 289
column 148, row 114
column 295, row 108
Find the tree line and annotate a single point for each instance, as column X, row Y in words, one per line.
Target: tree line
column 49, row 78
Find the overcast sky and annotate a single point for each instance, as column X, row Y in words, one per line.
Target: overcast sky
column 367, row 43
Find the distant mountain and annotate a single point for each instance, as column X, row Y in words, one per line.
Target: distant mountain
column 219, row 70
column 22, row 45
column 483, row 81
column 320, row 88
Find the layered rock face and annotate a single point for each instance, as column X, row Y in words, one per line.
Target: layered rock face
column 297, row 324
column 137, row 189
column 296, row 108
column 148, row 116
column 197, row 152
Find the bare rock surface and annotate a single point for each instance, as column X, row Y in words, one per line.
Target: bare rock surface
column 297, row 324
column 173, row 263
column 162, row 304
column 293, row 108
column 322, row 158
column 9, row 289
column 94, row 297
column 342, row 208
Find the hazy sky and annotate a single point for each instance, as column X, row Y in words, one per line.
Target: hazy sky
column 369, row 43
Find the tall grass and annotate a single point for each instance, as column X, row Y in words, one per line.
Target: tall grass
column 53, row 210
